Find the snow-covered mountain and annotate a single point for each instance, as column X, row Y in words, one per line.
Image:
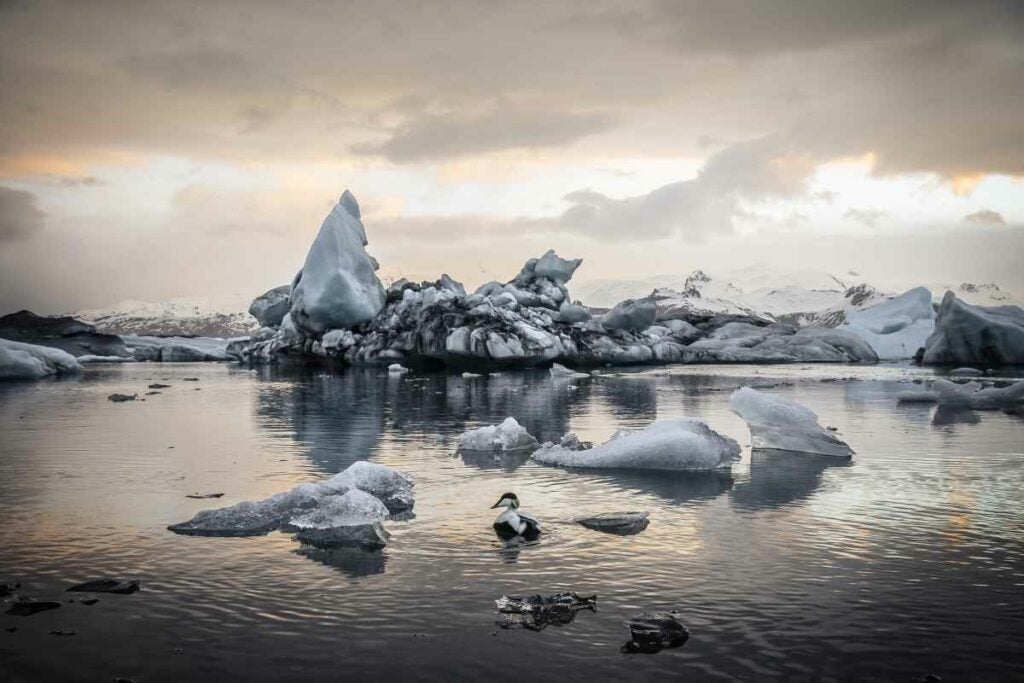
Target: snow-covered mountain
column 804, row 297
column 177, row 317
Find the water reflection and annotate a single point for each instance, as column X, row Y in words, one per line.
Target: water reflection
column 352, row 562
column 675, row 487
column 946, row 416
column 507, row 461
column 779, row 478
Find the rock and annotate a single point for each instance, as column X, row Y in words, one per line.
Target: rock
column 337, row 286
column 61, row 332
column 26, row 607
column 622, row 523
column 122, row 587
column 61, row 632
column 270, row 307
column 157, row 385
column 89, row 602
column 650, row 632
column 121, row 398
column 633, row 315
column 975, row 335
column 201, row 496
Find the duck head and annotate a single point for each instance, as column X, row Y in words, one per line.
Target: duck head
column 507, row 500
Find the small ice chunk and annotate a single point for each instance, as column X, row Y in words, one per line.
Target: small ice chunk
column 917, row 396
column 561, row 372
column 966, row 372
column 393, row 488
column 783, row 425
column 972, row 395
column 397, row 369
column 507, row 436
column 622, row 523
column 349, row 509
column 677, row 444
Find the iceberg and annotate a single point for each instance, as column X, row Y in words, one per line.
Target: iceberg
column 675, row 444
column 61, row 332
column 272, row 306
column 975, row 335
column 337, row 286
column 976, row 397
column 561, row 372
column 507, row 436
column 783, row 425
column 177, row 349
column 632, row 314
column 19, row 360
column 311, row 506
column 353, row 518
column 896, row 328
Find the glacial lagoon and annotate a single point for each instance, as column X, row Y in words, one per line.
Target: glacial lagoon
column 904, row 562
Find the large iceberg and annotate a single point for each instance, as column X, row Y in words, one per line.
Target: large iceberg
column 32, row 361
column 507, row 436
column 675, row 444
column 177, row 349
column 337, row 286
column 61, row 332
column 975, row 335
column 321, row 505
column 896, row 328
column 783, row 425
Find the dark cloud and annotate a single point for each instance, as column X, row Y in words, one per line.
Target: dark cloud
column 436, row 137
column 985, row 217
column 19, row 216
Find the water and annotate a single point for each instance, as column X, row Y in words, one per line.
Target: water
column 907, row 561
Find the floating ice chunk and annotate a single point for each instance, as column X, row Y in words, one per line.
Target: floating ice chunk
column 349, row 509
column 632, row 314
column 471, row 375
column 917, row 396
column 337, row 287
column 507, row 436
column 397, row 369
column 562, row 372
column 896, row 328
column 650, row 632
column 972, row 395
column 966, row 334
column 622, row 523
column 677, row 444
column 19, row 360
column 784, row 425
column 392, row 490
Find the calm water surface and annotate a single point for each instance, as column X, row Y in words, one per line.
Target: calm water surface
column 908, row 561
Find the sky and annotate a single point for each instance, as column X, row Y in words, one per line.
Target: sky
column 155, row 150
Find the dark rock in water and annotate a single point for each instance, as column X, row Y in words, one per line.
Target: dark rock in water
column 153, row 393
column 89, row 602
column 61, row 632
column 189, row 379
column 121, row 398
column 12, row 629
column 372, row 536
column 61, row 332
column 650, row 632
column 622, row 523
column 8, row 588
column 26, row 607
column 928, row 678
column 537, row 612
column 200, row 496
column 107, row 586
column 157, row 385
column 121, row 679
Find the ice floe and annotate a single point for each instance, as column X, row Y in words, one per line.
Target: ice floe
column 19, row 360
column 675, row 444
column 507, row 436
column 975, row 335
column 779, row 424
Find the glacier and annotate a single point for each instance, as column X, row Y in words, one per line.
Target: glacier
column 675, row 444
column 778, row 424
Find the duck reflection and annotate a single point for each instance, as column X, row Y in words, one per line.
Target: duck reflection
column 353, row 562
column 779, row 478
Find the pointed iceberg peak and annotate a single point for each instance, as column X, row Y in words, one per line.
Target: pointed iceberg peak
column 348, row 201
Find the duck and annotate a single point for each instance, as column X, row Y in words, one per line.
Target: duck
column 513, row 522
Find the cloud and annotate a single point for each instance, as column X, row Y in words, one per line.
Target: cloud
column 19, row 217
column 434, row 137
column 868, row 217
column 706, row 205
column 985, row 217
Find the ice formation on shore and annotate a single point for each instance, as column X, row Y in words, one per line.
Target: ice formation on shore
column 19, row 360
column 975, row 335
column 676, row 444
column 507, row 436
column 896, row 328
column 783, row 425
column 337, row 508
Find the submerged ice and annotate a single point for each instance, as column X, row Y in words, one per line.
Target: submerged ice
column 676, row 444
column 783, row 425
